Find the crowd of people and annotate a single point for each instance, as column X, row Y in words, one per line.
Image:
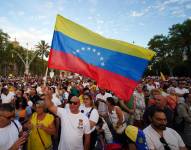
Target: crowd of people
column 71, row 112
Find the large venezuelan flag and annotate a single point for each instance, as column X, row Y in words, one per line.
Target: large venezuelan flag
column 115, row 65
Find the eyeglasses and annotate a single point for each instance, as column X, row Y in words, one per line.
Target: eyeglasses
column 165, row 144
column 73, row 103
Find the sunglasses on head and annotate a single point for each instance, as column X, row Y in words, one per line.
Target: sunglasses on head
column 165, row 144
column 73, row 103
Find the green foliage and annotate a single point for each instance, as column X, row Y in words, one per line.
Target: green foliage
column 172, row 50
column 10, row 63
column 42, row 48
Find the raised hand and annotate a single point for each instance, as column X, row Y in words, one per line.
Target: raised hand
column 47, row 93
column 47, row 97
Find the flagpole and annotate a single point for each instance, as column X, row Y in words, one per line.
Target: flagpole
column 45, row 77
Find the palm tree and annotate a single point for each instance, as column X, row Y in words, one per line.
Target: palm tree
column 42, row 48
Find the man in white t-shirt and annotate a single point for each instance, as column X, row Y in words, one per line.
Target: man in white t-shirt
column 181, row 90
column 39, row 88
column 9, row 130
column 74, row 125
column 150, row 85
column 65, row 95
column 6, row 96
column 56, row 100
column 101, row 98
column 160, row 137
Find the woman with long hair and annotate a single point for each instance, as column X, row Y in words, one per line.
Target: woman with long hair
column 88, row 109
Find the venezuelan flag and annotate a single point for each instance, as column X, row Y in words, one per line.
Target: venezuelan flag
column 114, row 64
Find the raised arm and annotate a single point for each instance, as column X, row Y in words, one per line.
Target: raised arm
column 47, row 99
column 120, row 116
column 122, row 104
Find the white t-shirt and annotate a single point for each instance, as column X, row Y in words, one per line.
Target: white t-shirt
column 9, row 135
column 171, row 136
column 7, row 98
column 181, row 91
column 56, row 100
column 73, row 127
column 94, row 116
column 65, row 95
column 102, row 108
column 39, row 90
column 85, row 84
column 150, row 87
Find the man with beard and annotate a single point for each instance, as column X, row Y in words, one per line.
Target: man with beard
column 160, row 137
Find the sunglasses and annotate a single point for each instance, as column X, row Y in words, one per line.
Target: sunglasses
column 165, row 144
column 73, row 103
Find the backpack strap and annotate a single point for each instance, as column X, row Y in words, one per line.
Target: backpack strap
column 15, row 125
column 89, row 113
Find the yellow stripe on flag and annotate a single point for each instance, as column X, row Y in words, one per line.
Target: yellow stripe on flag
column 84, row 35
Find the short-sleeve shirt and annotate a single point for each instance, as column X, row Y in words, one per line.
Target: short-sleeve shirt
column 93, row 116
column 9, row 135
column 73, row 127
column 7, row 98
column 56, row 100
column 102, row 108
column 172, row 138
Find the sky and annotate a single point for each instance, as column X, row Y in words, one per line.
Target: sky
column 30, row 21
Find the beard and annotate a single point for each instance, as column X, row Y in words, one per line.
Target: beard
column 160, row 127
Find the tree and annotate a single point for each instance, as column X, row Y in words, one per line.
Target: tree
column 159, row 43
column 180, row 36
column 170, row 50
column 42, row 48
column 4, row 37
column 10, row 62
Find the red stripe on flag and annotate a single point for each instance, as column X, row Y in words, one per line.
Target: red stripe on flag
column 121, row 86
